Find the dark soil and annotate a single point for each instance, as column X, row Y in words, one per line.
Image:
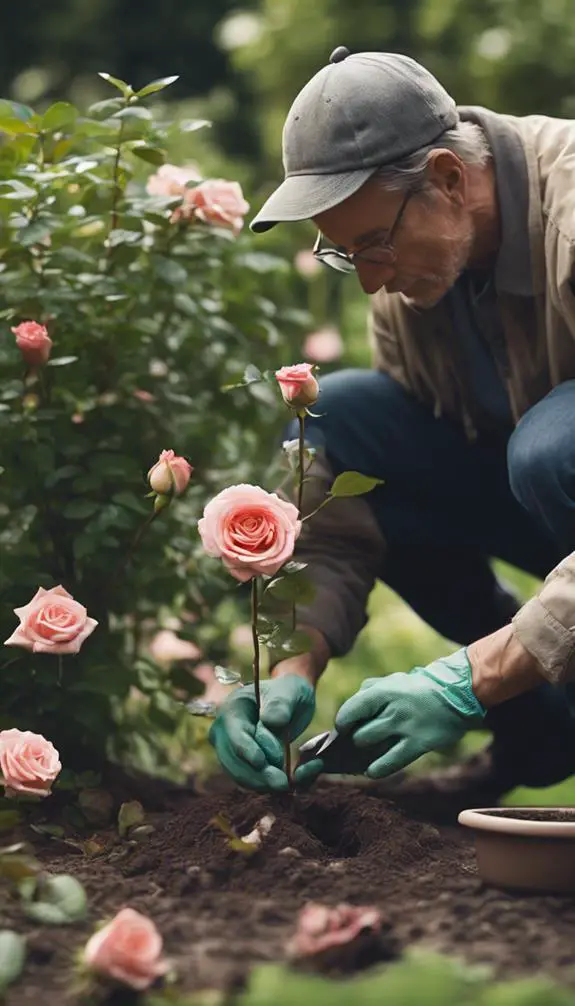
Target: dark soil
column 220, row 912
column 562, row 816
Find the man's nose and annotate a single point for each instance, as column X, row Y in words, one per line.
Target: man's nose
column 372, row 276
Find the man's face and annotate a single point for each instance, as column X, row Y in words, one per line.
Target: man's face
column 432, row 242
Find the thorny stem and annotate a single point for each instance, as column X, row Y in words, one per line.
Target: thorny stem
column 256, row 642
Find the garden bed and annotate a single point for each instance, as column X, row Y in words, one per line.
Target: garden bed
column 220, row 912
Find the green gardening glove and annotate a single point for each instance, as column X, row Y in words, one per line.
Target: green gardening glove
column 403, row 716
column 252, row 749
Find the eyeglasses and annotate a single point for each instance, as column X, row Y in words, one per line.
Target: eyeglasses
column 381, row 250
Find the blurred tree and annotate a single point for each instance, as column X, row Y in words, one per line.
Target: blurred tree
column 511, row 55
column 52, row 50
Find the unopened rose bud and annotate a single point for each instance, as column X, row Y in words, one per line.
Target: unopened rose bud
column 33, row 342
column 298, row 385
column 170, row 475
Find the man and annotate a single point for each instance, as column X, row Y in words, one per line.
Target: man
column 460, row 225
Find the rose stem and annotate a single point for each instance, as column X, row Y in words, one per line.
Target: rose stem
column 60, row 669
column 301, row 422
column 256, row 664
column 301, row 456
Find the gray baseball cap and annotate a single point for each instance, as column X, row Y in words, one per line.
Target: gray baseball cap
column 356, row 114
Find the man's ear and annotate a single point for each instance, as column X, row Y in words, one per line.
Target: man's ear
column 446, row 172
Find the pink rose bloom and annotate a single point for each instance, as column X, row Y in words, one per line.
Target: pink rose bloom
column 320, row 927
column 143, row 396
column 251, row 530
column 220, row 203
column 166, row 647
column 28, row 763
column 128, row 949
column 323, row 346
column 170, row 475
column 170, row 180
column 306, row 263
column 52, row 622
column 33, row 342
column 298, row 386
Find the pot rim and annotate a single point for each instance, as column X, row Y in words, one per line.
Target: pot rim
column 489, row 819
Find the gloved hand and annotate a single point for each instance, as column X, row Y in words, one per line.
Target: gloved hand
column 252, row 750
column 404, row 716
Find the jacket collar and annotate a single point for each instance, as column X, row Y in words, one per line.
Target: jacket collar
column 514, row 272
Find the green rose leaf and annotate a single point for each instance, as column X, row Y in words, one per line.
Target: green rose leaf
column 353, row 484
column 80, row 509
column 227, row 676
column 157, row 85
column 292, row 587
column 12, row 957
column 116, row 82
column 133, row 112
column 197, row 707
column 153, row 155
column 61, row 361
column 58, row 900
column 58, row 115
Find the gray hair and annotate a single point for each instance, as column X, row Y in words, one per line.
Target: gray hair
column 466, row 139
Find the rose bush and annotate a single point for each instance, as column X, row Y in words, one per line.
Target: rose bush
column 150, row 313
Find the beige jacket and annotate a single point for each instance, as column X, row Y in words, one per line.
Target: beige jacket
column 342, row 544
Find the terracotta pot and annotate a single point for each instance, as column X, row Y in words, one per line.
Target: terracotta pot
column 525, row 848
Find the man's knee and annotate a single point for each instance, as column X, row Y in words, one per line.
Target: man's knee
column 541, row 453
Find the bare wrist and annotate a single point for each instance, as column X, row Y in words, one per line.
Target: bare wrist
column 501, row 668
column 309, row 665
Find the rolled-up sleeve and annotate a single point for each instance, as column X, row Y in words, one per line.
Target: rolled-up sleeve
column 545, row 625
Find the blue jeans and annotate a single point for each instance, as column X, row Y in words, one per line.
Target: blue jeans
column 447, row 507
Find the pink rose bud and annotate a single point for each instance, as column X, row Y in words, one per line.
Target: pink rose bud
column 252, row 531
column 219, row 203
column 170, row 475
column 298, row 386
column 128, row 949
column 323, row 346
column 52, row 622
column 29, row 763
column 33, row 342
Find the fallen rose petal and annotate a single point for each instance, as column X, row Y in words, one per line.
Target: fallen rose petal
column 128, row 949
column 320, row 927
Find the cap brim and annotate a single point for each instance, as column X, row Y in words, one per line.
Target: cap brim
column 301, row 197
